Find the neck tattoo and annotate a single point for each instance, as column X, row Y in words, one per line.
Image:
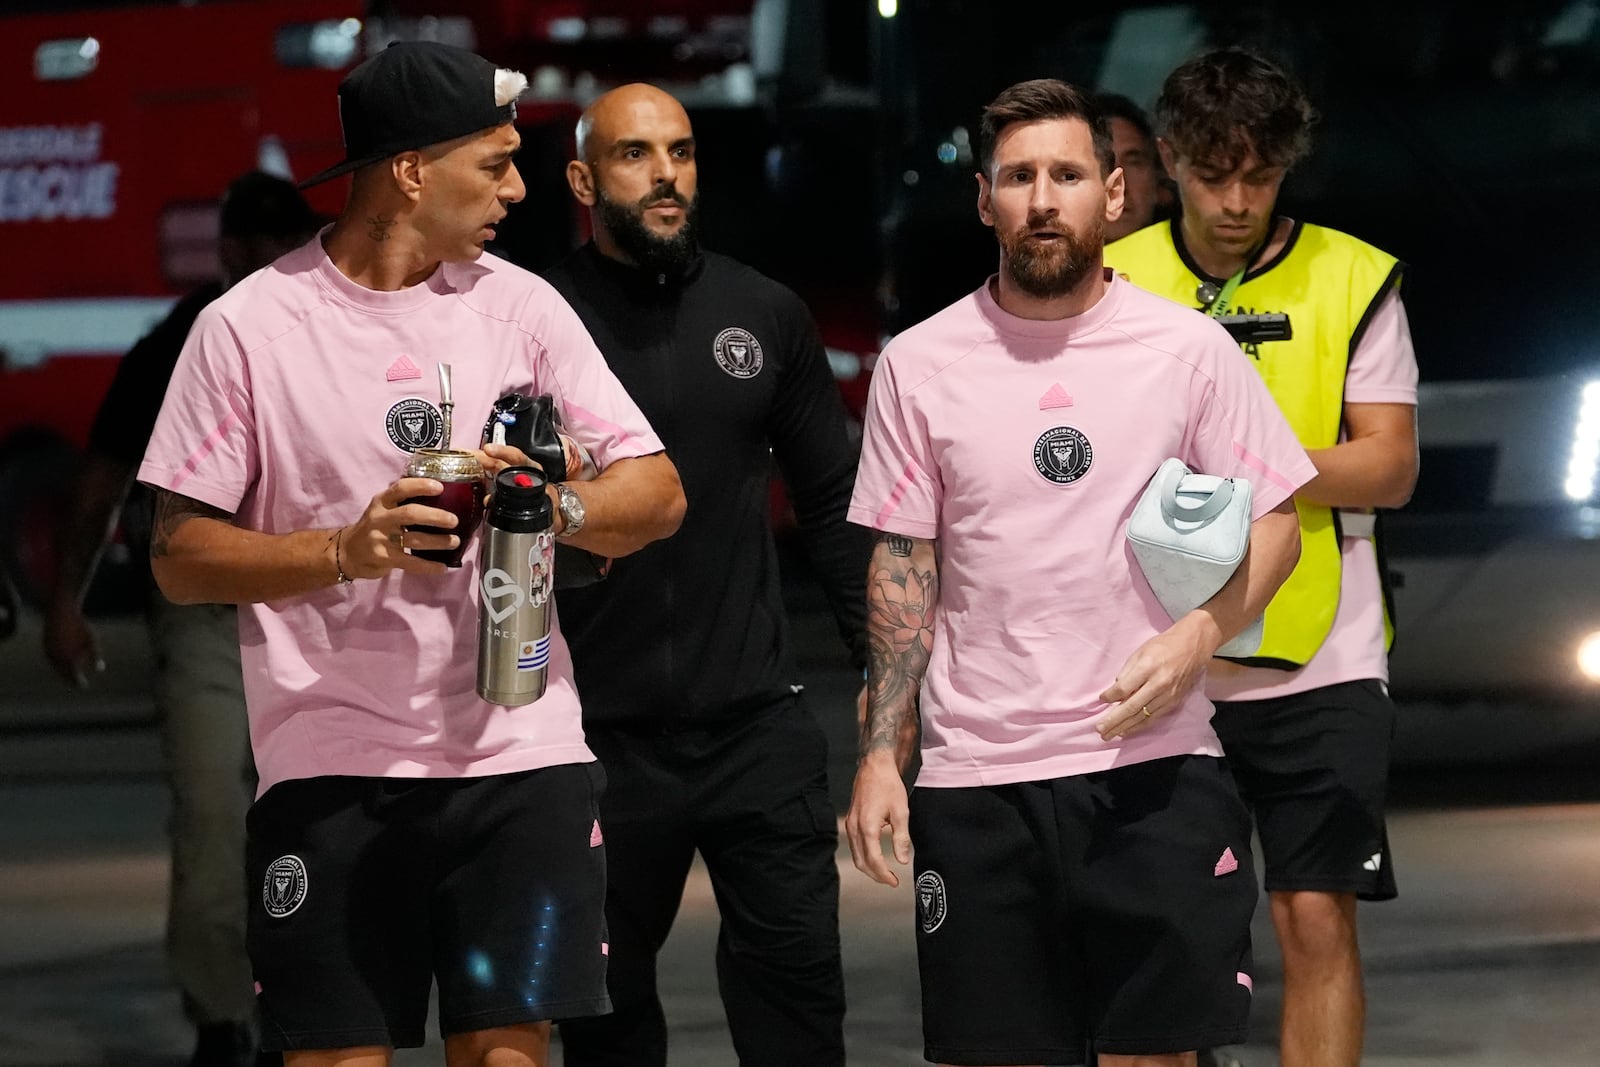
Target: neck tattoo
column 379, row 227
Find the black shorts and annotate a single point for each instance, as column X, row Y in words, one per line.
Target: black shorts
column 1113, row 907
column 364, row 890
column 1313, row 768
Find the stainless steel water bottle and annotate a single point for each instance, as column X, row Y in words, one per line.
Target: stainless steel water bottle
column 514, row 589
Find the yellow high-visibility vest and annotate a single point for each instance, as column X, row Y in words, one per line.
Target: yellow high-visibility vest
column 1329, row 284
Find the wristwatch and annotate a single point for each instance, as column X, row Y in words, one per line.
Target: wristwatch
column 572, row 513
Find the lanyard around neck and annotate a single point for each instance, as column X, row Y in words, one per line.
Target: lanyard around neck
column 1219, row 307
column 1224, row 300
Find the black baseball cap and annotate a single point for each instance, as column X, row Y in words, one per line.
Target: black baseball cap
column 410, row 95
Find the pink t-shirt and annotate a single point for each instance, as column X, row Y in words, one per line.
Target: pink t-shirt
column 1383, row 370
column 1021, row 446
column 299, row 396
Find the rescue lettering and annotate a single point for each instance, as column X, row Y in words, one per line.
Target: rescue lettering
column 55, row 172
column 58, row 191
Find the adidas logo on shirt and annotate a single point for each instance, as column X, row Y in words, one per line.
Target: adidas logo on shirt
column 1373, row 862
column 1055, row 397
column 403, row 370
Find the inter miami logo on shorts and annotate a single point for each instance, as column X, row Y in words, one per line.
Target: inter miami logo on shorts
column 414, row 423
column 1062, row 454
column 930, row 900
column 285, row 887
column 737, row 352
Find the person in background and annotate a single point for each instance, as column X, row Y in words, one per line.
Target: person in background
column 1146, row 191
column 691, row 696
column 1307, row 722
column 199, row 693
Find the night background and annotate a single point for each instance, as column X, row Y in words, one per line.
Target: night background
column 835, row 145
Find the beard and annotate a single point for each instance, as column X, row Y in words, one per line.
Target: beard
column 1050, row 269
column 661, row 255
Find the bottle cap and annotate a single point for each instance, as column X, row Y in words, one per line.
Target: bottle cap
column 519, row 495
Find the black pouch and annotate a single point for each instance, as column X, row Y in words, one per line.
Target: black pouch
column 530, row 423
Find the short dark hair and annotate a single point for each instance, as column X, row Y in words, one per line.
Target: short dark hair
column 258, row 204
column 1222, row 104
column 1117, row 106
column 1037, row 101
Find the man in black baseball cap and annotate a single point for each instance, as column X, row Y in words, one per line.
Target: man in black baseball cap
column 419, row 93
column 429, row 136
column 408, row 833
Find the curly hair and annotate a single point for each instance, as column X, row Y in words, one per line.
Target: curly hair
column 1219, row 106
column 1037, row 101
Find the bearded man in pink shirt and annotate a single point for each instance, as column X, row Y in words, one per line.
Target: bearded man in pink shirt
column 405, row 830
column 1083, row 869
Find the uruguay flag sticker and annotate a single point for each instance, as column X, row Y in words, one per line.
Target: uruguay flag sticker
column 533, row 655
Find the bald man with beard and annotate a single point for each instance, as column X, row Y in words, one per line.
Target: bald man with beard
column 691, row 696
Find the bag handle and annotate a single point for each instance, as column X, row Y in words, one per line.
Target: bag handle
column 1210, row 508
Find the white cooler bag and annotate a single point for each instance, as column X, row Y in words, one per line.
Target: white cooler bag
column 1189, row 532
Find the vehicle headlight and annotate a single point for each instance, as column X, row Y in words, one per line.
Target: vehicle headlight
column 1584, row 462
column 1589, row 657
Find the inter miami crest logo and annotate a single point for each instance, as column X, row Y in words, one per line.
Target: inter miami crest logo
column 414, row 423
column 930, row 900
column 737, row 352
column 285, row 886
column 1063, row 455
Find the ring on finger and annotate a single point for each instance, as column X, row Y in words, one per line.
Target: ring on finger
column 1145, row 711
column 398, row 538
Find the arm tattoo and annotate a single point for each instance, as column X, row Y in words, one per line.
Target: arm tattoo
column 902, row 595
column 173, row 510
column 899, row 546
column 380, row 227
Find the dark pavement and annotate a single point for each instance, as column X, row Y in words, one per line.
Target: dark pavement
column 1490, row 956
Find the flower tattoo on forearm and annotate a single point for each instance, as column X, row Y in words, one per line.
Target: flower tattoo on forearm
column 902, row 594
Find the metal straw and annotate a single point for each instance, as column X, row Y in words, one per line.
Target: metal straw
column 447, row 402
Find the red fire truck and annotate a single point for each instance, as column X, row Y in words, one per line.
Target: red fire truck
column 124, row 125
column 126, row 120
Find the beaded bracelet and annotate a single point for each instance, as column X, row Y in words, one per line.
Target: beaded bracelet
column 338, row 562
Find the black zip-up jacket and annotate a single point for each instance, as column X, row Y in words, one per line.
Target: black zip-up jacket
column 729, row 368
